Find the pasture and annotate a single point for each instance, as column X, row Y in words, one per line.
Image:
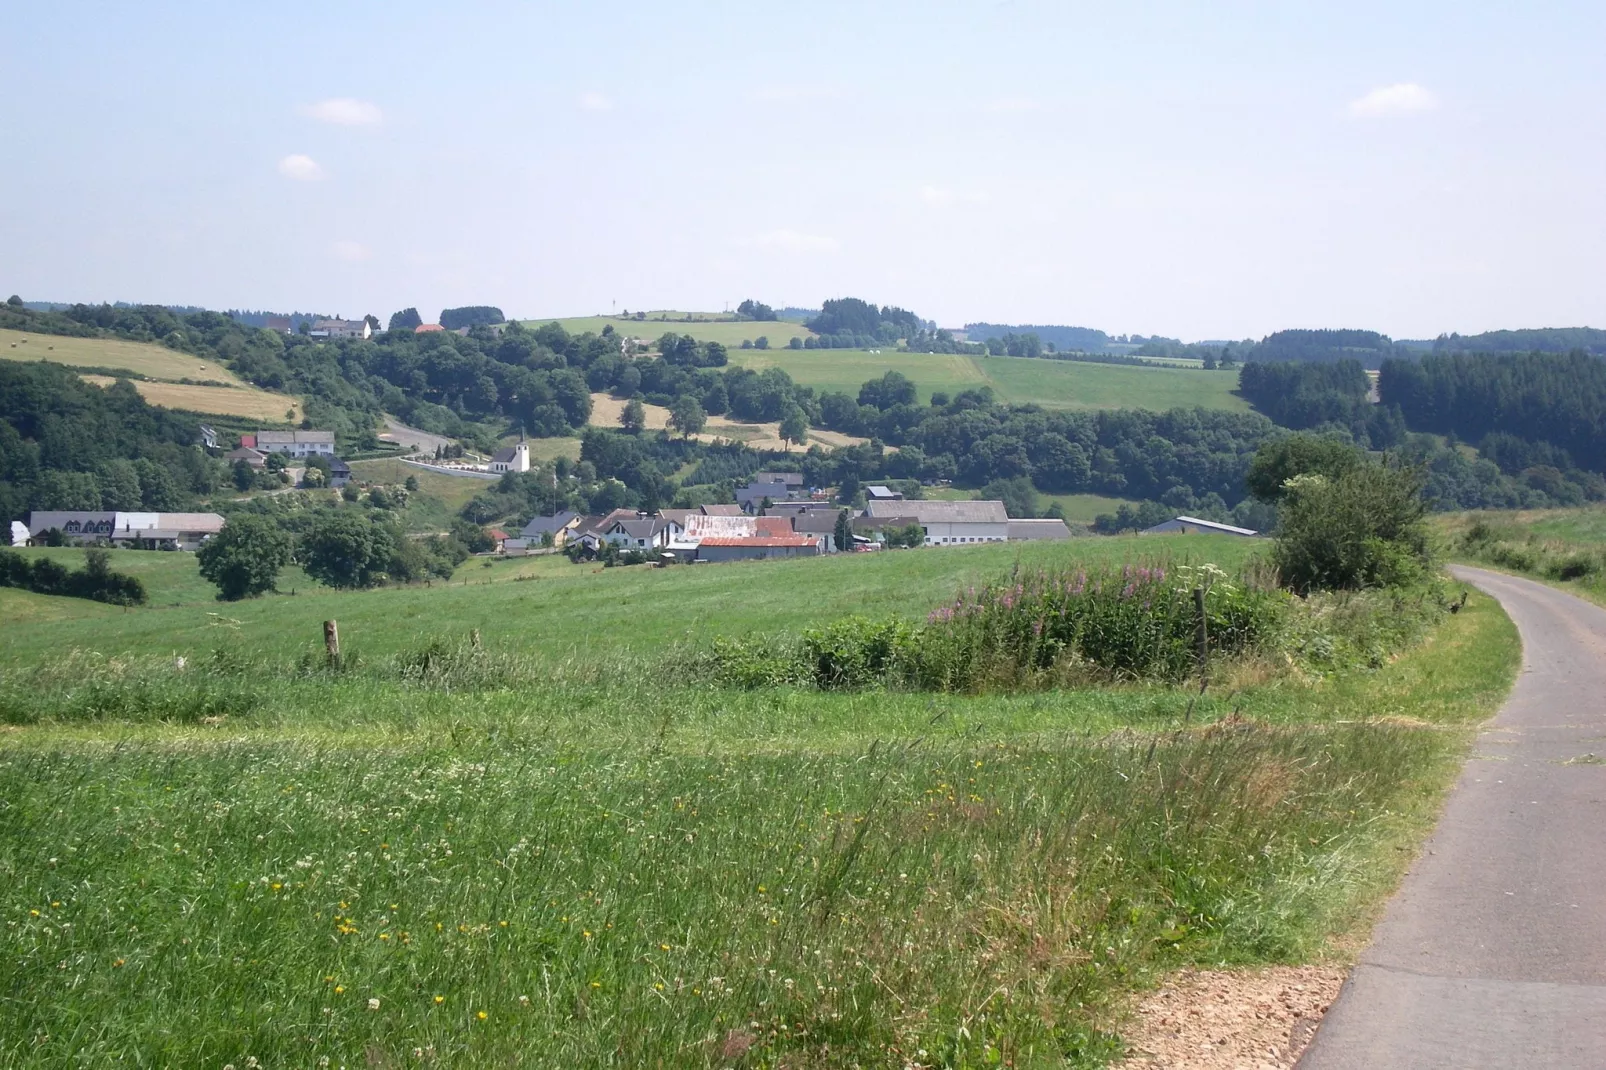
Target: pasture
column 561, row 848
column 1078, row 508
column 730, row 333
column 606, row 410
column 1053, row 384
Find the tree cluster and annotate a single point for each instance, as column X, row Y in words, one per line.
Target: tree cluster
column 455, row 319
column 95, row 581
column 755, row 310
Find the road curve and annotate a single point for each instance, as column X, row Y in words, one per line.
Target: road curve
column 1493, row 952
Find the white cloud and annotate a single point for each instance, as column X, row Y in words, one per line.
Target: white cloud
column 350, row 251
column 792, row 241
column 1403, row 98
column 594, row 101
column 345, row 111
column 941, row 196
column 301, row 168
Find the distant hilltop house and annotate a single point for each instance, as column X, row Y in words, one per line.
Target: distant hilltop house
column 341, row 329
column 160, row 531
column 514, row 458
column 294, row 443
column 1192, row 525
column 948, row 523
column 427, row 328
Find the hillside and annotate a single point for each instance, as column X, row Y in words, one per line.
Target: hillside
column 707, row 328
column 169, row 378
column 1054, row 384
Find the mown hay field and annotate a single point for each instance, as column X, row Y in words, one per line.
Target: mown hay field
column 250, row 402
column 144, row 358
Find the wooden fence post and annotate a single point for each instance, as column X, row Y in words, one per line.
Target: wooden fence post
column 331, row 643
column 1201, row 630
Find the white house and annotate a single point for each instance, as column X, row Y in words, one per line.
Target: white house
column 296, row 443
column 1192, row 525
column 341, row 329
column 949, row 523
column 19, row 533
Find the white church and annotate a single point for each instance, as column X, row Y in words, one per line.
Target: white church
column 514, row 458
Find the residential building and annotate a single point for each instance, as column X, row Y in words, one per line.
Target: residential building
column 339, row 473
column 19, row 533
column 281, row 324
column 558, row 525
column 207, row 436
column 341, row 329
column 1192, row 525
column 949, row 523
column 642, row 533
column 876, row 492
column 255, row 458
column 174, row 531
column 793, row 480
column 820, row 523
column 752, row 497
column 1029, row 530
column 296, row 443
column 725, row 509
column 514, row 458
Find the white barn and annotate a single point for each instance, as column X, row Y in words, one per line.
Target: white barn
column 949, row 523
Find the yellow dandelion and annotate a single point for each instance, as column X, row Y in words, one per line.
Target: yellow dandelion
column 119, row 962
column 439, row 1000
column 596, row 984
column 659, row 985
column 328, row 978
column 339, row 989
column 384, row 936
column 480, row 1015
column 55, row 902
column 663, row 947
column 276, row 886
column 344, row 905
column 503, row 924
column 33, row 913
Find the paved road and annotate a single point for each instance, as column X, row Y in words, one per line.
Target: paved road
column 400, row 433
column 1493, row 953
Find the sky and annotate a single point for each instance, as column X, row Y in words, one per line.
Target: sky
column 1196, row 170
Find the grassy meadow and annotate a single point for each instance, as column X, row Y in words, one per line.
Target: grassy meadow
column 1053, row 384
column 1564, row 547
column 558, row 849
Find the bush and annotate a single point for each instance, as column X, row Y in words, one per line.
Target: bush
column 1362, row 528
column 95, row 581
column 856, row 652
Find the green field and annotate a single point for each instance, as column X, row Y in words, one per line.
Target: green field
column 1054, row 384
column 1078, row 508
column 560, row 849
column 728, row 332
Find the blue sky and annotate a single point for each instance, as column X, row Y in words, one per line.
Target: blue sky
column 1215, row 170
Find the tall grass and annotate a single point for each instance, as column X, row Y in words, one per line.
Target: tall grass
column 523, row 903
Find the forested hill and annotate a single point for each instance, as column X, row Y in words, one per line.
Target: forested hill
column 1304, row 346
column 1541, row 340
column 1073, row 339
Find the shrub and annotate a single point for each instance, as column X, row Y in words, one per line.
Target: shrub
column 1362, row 528
column 95, row 581
column 856, row 652
column 1136, row 623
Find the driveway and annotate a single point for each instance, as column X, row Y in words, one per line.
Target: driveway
column 1493, row 953
column 399, row 433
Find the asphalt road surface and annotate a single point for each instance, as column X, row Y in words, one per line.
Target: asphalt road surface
column 1493, row 953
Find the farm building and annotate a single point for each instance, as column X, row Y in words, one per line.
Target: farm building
column 295, row 443
column 255, row 458
column 949, row 523
column 332, row 328
column 161, row 531
column 1192, row 525
column 1029, row 530
column 876, row 492
column 756, row 547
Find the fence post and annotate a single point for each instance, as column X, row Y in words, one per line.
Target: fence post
column 331, row 643
column 1201, row 630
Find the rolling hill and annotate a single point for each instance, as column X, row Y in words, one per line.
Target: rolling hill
column 169, row 378
column 1054, row 384
column 707, row 328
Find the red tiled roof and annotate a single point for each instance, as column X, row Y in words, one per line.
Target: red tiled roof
column 774, row 525
column 248, row 442
column 763, row 540
column 498, row 533
column 425, row 328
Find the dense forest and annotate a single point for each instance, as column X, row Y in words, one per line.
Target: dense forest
column 65, row 444
column 1543, row 340
column 1366, row 347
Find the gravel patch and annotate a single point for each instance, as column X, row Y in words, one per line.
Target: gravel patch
column 1231, row 1019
